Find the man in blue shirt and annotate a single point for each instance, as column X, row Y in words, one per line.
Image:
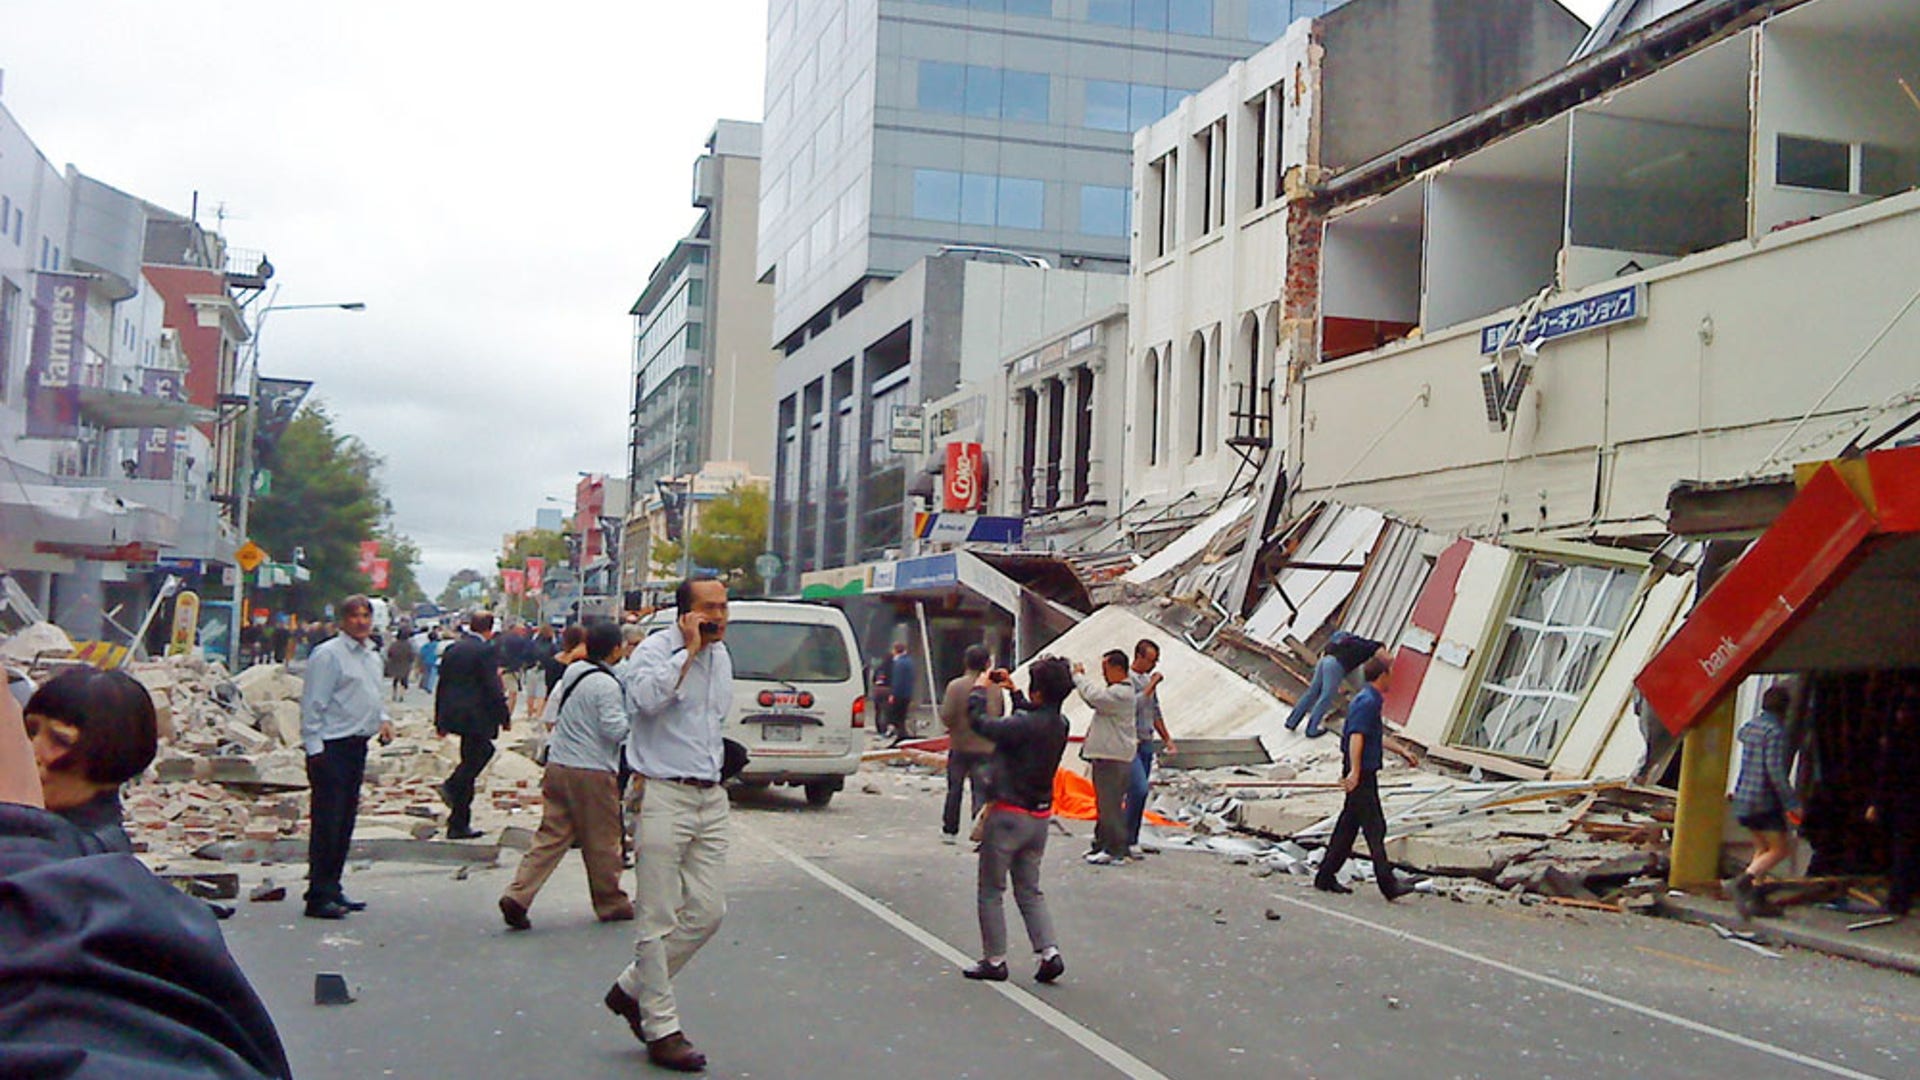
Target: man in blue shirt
column 342, row 704
column 900, row 676
column 1364, row 738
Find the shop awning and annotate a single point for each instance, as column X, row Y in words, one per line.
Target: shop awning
column 1830, row 586
column 118, row 409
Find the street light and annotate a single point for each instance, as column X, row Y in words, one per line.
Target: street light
column 245, row 471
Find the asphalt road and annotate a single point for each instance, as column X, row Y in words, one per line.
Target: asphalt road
column 840, row 957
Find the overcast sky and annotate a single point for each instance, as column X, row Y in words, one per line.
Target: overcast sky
column 493, row 184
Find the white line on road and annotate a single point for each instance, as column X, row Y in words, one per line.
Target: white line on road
column 1601, row 996
column 1126, row 1063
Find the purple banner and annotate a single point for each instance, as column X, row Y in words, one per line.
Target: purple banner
column 156, row 444
column 53, row 366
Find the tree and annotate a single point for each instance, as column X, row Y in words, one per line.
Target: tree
column 326, row 498
column 731, row 534
column 535, row 544
column 450, row 597
column 403, row 557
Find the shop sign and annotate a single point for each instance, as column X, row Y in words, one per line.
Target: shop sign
column 908, row 434
column 1623, row 305
column 962, row 482
column 929, row 572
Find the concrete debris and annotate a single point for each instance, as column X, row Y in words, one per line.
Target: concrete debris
column 31, row 643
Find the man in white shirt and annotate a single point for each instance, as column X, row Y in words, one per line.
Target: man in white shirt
column 342, row 705
column 679, row 686
column 1110, row 748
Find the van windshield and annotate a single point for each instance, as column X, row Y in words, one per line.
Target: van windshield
column 788, row 652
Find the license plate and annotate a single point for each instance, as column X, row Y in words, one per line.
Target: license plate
column 780, row 732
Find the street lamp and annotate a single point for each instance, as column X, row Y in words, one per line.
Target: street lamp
column 245, row 471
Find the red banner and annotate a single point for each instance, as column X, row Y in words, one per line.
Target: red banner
column 513, row 582
column 378, row 574
column 369, row 551
column 536, row 573
column 961, row 484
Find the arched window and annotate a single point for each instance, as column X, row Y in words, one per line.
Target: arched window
column 1194, row 426
column 1147, row 423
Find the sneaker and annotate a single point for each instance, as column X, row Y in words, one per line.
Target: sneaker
column 987, row 972
column 1740, row 889
column 1051, row 968
column 1098, row 858
column 949, row 837
column 1314, row 731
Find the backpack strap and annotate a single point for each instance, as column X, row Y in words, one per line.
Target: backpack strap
column 568, row 690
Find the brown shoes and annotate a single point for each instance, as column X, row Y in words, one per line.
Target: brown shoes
column 515, row 914
column 676, row 1053
column 624, row 914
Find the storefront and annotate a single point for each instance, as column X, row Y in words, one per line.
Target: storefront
column 1827, row 594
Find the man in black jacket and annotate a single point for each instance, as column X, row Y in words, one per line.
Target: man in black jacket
column 1027, row 747
column 469, row 702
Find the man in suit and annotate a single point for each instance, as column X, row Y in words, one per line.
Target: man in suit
column 469, row 702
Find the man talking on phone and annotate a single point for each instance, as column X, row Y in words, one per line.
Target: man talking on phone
column 342, row 705
column 679, row 689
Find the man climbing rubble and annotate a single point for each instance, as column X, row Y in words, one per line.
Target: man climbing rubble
column 1343, row 656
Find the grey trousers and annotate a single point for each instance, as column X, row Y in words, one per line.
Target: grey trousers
column 1015, row 844
column 1110, row 781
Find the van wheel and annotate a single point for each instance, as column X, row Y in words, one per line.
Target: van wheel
column 820, row 793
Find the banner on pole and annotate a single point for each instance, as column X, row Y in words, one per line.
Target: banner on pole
column 53, row 363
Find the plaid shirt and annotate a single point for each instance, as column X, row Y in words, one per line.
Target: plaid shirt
column 1766, row 760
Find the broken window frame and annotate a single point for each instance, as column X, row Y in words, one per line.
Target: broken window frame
column 1525, row 711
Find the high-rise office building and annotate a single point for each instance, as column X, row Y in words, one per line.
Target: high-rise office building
column 896, row 127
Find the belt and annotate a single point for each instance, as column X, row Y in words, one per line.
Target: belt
column 687, row 780
column 1009, row 807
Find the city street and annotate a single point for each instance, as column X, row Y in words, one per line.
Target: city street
column 847, row 927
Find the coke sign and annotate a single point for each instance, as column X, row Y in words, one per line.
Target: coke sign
column 965, row 479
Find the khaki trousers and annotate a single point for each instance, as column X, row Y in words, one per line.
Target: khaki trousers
column 679, row 857
column 583, row 805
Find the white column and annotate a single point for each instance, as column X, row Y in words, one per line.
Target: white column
column 1096, row 428
column 1069, row 433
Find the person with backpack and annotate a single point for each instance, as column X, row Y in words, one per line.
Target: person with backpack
column 580, row 790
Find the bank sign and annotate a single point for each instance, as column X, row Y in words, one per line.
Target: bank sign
column 53, row 364
column 1622, row 305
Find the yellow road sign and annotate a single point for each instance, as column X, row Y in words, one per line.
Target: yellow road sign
column 249, row 555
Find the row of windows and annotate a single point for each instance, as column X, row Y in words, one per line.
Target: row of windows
column 1118, row 106
column 989, row 92
column 1041, row 8
column 1194, row 17
column 978, row 199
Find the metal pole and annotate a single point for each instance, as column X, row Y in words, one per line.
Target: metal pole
column 245, row 476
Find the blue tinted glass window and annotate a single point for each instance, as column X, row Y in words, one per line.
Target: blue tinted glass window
column 977, row 198
column 983, row 91
column 1104, row 210
column 1147, row 104
column 1022, row 203
column 1150, row 14
column 1110, row 12
column 1266, row 19
column 936, row 195
column 1023, row 96
column 1030, row 7
column 942, row 87
column 1107, row 106
column 1191, row 17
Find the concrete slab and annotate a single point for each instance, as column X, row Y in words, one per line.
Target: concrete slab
column 1895, row 946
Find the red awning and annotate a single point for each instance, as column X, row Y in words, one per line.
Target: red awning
column 1833, row 585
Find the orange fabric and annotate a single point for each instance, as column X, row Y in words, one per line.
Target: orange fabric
column 1073, row 798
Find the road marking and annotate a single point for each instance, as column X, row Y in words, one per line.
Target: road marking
column 1601, row 996
column 1125, row 1063
column 1677, row 958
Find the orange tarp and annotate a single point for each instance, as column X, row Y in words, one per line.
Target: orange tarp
column 1073, row 798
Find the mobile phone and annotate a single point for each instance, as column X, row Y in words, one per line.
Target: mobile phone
column 709, row 629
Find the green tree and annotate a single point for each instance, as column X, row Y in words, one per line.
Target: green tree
column 450, row 597
column 325, row 499
column 732, row 533
column 535, row 544
column 403, row 559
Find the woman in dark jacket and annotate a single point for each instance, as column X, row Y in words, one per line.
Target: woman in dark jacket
column 92, row 731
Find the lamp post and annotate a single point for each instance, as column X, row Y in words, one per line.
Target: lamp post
column 245, row 470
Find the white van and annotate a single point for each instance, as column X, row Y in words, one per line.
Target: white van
column 799, row 693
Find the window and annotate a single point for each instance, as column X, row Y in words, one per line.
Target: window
column 1110, row 12
column 1209, row 154
column 1149, row 103
column 1104, row 210
column 19, row 227
column 1107, row 108
column 696, row 292
column 9, row 319
column 1267, row 20
column 983, row 91
column 1562, row 622
column 1181, row 16
column 1024, row 96
column 1194, row 17
column 787, row 652
column 987, row 92
column 1041, row 8
column 1813, row 163
column 693, row 336
column 936, row 195
column 978, row 199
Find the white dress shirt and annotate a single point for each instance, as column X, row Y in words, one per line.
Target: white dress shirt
column 591, row 725
column 344, row 694
column 677, row 722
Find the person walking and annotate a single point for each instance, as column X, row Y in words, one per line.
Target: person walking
column 1364, row 739
column 1027, row 747
column 540, row 661
column 900, row 682
column 1150, row 728
column 1764, row 799
column 1110, row 749
column 471, row 703
column 579, row 791
column 400, row 657
column 430, row 652
column 341, row 706
column 1343, row 656
column 967, row 751
column 679, row 688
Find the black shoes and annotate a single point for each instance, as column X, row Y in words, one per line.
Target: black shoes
column 351, row 904
column 1332, row 887
column 676, row 1053
column 1051, row 968
column 464, row 834
column 987, row 972
column 515, row 914
column 621, row 1004
column 327, row 909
